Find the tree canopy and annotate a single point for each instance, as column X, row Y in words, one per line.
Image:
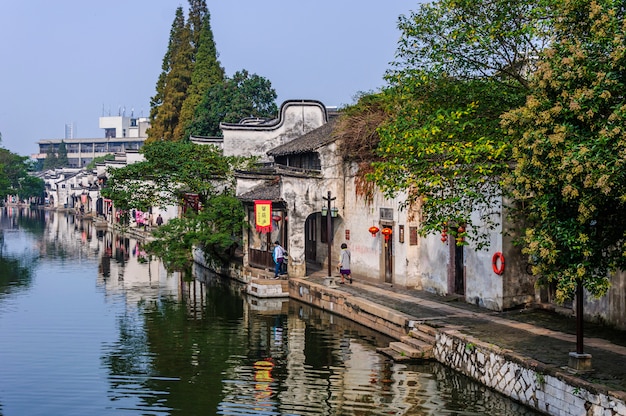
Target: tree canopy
column 192, row 94
column 241, row 96
column 459, row 65
column 173, row 82
column 570, row 143
column 207, row 71
column 15, row 178
column 170, row 172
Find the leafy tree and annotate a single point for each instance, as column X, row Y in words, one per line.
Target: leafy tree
column 171, row 170
column 459, row 66
column 570, row 173
column 51, row 161
column 206, row 73
column 99, row 159
column 172, row 83
column 469, row 39
column 241, row 96
column 197, row 19
column 444, row 147
column 15, row 178
column 62, row 155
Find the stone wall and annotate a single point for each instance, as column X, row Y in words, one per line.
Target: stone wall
column 554, row 392
column 527, row 381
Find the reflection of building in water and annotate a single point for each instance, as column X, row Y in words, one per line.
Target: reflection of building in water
column 123, row 266
column 126, row 269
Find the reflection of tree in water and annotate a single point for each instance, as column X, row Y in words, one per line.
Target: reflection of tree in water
column 14, row 275
column 159, row 350
column 15, row 270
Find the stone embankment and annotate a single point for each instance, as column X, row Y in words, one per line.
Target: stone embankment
column 443, row 332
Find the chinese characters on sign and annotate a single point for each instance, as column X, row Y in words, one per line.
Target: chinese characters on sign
column 263, row 216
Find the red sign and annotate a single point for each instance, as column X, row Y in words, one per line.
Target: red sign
column 263, row 216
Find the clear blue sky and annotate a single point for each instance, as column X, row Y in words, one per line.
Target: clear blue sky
column 68, row 61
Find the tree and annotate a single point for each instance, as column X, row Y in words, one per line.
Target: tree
column 207, row 72
column 62, row 155
column 15, row 178
column 170, row 171
column 173, row 82
column 444, row 148
column 241, row 96
column 459, row 66
column 570, row 173
column 52, row 159
column 466, row 39
column 99, row 159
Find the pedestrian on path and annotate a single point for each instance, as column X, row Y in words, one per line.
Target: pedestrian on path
column 159, row 220
column 279, row 256
column 344, row 264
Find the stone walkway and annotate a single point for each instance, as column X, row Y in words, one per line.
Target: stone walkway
column 539, row 334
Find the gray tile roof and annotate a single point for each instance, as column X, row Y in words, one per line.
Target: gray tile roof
column 269, row 191
column 308, row 142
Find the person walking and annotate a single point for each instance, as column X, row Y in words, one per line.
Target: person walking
column 159, row 220
column 279, row 256
column 344, row 264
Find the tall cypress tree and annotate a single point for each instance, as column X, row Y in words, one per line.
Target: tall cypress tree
column 164, row 112
column 198, row 11
column 207, row 72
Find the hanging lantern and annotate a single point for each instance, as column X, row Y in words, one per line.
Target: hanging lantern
column 276, row 217
column 460, row 238
column 387, row 233
column 373, row 230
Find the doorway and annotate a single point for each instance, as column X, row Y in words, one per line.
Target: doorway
column 387, row 255
column 456, row 270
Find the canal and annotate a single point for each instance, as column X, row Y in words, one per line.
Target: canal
column 91, row 325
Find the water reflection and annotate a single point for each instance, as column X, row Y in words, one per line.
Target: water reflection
column 122, row 336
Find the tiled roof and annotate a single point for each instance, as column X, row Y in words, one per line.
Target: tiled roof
column 307, row 142
column 269, row 191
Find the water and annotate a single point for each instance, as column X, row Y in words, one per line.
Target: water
column 89, row 325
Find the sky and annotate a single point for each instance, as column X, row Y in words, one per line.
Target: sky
column 69, row 62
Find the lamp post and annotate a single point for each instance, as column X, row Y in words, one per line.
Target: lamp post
column 333, row 213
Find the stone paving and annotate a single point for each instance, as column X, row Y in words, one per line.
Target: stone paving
column 542, row 335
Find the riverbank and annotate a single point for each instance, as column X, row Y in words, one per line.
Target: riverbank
column 522, row 354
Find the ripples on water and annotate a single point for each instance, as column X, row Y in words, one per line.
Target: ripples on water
column 90, row 326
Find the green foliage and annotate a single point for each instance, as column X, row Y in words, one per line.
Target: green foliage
column 15, row 178
column 207, row 70
column 173, row 82
column 241, row 96
column 51, row 161
column 459, row 66
column 62, row 155
column 99, row 159
column 216, row 228
column 444, row 149
column 570, row 173
column 170, row 170
column 469, row 39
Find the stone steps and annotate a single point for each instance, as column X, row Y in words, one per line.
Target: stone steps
column 417, row 345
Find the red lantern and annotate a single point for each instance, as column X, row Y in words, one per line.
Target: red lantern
column 373, row 230
column 387, row 233
column 276, row 218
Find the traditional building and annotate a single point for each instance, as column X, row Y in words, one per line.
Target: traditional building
column 316, row 206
